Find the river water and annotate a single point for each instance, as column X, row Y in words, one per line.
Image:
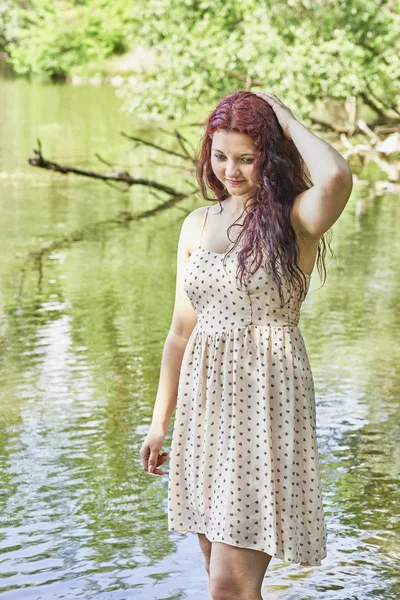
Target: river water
column 85, row 305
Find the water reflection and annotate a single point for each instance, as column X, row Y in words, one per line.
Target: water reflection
column 81, row 342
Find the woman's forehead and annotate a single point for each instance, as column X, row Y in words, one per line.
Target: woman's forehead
column 233, row 140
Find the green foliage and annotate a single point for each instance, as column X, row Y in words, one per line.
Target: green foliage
column 302, row 50
column 52, row 37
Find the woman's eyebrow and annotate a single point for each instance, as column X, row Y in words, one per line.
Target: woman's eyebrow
column 245, row 154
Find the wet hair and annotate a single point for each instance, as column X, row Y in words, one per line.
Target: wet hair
column 267, row 236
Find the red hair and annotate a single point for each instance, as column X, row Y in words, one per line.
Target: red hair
column 267, row 233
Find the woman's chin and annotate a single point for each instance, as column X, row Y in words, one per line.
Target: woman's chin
column 242, row 193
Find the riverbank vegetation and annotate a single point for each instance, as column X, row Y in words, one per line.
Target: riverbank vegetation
column 198, row 50
column 335, row 63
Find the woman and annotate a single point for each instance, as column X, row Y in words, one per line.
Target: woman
column 244, row 467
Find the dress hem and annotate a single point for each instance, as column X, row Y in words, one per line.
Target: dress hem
column 280, row 555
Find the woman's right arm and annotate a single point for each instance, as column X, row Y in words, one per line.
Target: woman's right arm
column 184, row 319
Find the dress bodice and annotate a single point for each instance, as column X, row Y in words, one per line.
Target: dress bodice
column 213, row 288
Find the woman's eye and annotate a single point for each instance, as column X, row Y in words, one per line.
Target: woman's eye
column 220, row 157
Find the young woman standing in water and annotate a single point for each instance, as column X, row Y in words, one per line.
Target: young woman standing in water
column 244, row 466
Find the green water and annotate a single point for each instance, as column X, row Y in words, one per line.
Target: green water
column 82, row 329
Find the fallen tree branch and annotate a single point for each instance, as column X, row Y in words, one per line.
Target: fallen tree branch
column 371, row 134
column 376, row 150
column 103, row 160
column 181, row 140
column 329, row 126
column 123, row 176
column 146, row 143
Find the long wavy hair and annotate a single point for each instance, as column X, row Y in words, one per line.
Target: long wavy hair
column 267, row 236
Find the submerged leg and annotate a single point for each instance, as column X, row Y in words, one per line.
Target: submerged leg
column 237, row 573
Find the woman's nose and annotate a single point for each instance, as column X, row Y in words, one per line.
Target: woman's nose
column 231, row 171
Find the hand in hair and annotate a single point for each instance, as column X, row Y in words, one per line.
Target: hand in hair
column 282, row 112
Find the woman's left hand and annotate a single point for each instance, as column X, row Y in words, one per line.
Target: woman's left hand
column 282, row 112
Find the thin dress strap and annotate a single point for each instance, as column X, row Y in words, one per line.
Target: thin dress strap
column 204, row 222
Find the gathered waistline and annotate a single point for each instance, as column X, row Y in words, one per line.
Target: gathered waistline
column 200, row 329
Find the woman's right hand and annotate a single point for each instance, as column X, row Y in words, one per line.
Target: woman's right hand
column 150, row 452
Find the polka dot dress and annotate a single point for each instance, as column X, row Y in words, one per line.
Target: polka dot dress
column 244, row 464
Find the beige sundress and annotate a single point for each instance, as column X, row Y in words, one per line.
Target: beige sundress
column 244, row 465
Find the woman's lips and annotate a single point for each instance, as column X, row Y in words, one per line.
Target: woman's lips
column 234, row 182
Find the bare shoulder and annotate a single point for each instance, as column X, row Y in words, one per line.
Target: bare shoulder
column 191, row 228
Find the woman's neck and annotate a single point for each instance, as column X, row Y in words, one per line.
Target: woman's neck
column 235, row 205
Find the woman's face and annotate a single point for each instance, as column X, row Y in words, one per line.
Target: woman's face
column 232, row 157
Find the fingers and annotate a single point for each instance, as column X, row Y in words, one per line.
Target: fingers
column 268, row 94
column 151, row 456
column 157, row 472
column 268, row 97
column 155, row 460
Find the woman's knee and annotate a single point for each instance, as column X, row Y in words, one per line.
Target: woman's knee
column 225, row 587
column 237, row 573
